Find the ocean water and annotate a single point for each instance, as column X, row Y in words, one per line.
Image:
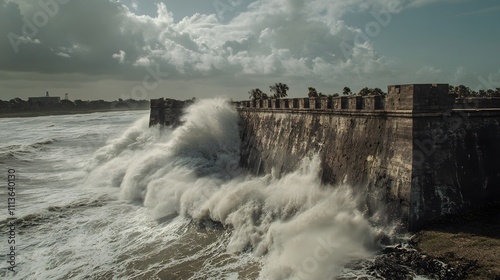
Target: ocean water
column 103, row 196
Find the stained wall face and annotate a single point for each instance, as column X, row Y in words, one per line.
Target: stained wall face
column 370, row 153
column 414, row 156
column 456, row 164
column 419, row 97
column 167, row 112
column 418, row 154
column 414, row 167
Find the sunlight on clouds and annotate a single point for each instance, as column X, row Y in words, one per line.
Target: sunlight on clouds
column 273, row 39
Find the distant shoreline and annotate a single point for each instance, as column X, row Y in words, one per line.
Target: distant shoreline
column 29, row 114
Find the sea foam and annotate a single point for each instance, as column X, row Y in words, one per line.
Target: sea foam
column 298, row 227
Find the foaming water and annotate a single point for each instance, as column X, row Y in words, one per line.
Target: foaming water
column 111, row 198
column 294, row 226
column 23, row 152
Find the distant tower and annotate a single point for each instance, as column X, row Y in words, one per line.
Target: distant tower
column 47, row 94
column 66, row 96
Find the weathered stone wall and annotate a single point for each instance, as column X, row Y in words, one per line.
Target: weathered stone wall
column 416, row 167
column 167, row 112
column 409, row 154
column 371, row 152
column 419, row 97
column 456, row 163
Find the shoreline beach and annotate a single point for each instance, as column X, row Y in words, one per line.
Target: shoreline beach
column 28, row 114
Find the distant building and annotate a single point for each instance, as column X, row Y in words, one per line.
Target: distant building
column 45, row 99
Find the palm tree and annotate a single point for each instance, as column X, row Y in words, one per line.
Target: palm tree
column 275, row 90
column 377, row 91
column 493, row 93
column 312, row 92
column 463, row 91
column 255, row 94
column 347, row 91
column 365, row 91
column 280, row 90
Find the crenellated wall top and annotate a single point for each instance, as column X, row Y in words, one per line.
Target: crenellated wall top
column 411, row 97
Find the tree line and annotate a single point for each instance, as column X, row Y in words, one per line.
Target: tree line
column 279, row 90
column 465, row 92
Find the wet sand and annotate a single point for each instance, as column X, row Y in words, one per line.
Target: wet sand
column 474, row 237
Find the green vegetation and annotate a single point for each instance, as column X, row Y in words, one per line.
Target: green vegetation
column 256, row 94
column 371, row 91
column 465, row 92
column 313, row 92
column 280, row 90
column 347, row 91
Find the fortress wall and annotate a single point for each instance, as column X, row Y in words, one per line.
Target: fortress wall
column 411, row 151
column 369, row 152
column 456, row 164
column 417, row 167
column 166, row 112
column 410, row 154
column 476, row 102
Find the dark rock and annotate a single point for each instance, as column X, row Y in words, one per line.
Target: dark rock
column 398, row 262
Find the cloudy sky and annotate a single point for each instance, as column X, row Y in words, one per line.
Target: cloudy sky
column 110, row 49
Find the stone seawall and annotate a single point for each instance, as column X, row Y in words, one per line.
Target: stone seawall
column 414, row 167
column 456, row 163
column 371, row 152
column 413, row 156
column 167, row 112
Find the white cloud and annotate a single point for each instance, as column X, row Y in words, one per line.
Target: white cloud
column 290, row 39
column 135, row 6
column 273, row 37
column 28, row 40
column 120, row 56
column 61, row 54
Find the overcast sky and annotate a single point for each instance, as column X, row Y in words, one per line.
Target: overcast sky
column 107, row 49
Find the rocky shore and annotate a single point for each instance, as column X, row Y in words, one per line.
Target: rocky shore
column 460, row 247
column 406, row 262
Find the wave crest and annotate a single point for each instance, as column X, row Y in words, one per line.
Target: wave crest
column 194, row 171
